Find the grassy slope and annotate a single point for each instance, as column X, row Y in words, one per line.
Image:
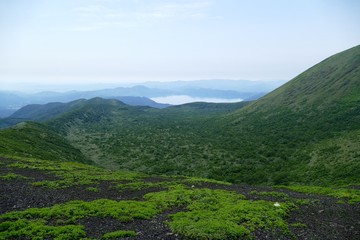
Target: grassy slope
column 31, row 139
column 301, row 124
column 334, row 80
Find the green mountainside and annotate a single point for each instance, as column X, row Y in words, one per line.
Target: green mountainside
column 30, row 139
column 301, row 124
column 334, row 80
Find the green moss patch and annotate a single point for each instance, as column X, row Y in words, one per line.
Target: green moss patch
column 119, row 234
column 75, row 210
column 353, row 195
column 12, row 176
column 37, row 229
column 271, row 194
column 219, row 214
column 35, row 222
column 73, row 174
column 210, row 214
column 207, row 214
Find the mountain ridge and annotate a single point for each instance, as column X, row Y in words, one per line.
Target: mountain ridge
column 341, row 68
column 318, row 106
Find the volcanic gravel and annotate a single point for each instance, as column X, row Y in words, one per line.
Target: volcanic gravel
column 324, row 217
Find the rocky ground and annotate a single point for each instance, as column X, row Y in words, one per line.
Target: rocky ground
column 323, row 218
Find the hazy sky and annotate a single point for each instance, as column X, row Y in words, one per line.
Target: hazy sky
column 116, row 41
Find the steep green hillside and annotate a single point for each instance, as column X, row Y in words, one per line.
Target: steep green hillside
column 308, row 129
column 31, row 139
column 332, row 81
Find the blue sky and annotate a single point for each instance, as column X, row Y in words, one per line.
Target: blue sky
column 119, row 41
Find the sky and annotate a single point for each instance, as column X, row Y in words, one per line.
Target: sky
column 124, row 41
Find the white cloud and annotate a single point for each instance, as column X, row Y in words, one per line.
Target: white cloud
column 85, row 28
column 182, row 10
column 94, row 17
column 90, row 9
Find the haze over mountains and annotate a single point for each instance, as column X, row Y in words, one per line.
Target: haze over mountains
column 204, row 90
column 303, row 132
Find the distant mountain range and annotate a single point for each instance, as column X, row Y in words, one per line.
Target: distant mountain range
column 241, row 86
column 140, row 95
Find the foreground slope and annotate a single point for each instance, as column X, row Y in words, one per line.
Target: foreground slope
column 64, row 200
